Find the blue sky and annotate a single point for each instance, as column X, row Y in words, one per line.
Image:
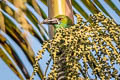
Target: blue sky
column 7, row 74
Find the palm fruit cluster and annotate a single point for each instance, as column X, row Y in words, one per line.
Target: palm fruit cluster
column 82, row 47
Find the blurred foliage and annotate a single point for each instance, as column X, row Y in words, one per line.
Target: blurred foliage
column 19, row 18
column 79, row 43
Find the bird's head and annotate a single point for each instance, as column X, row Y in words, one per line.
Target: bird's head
column 60, row 20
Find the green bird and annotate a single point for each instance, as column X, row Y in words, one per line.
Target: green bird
column 60, row 21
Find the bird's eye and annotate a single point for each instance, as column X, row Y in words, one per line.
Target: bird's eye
column 60, row 18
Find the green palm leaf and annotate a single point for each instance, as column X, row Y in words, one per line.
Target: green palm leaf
column 101, row 7
column 110, row 3
column 9, row 63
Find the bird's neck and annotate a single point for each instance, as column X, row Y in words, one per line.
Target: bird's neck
column 62, row 25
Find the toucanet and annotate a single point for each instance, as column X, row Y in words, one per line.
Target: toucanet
column 60, row 21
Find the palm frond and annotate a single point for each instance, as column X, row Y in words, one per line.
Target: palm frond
column 20, row 18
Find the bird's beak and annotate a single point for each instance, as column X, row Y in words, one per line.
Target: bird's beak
column 50, row 21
